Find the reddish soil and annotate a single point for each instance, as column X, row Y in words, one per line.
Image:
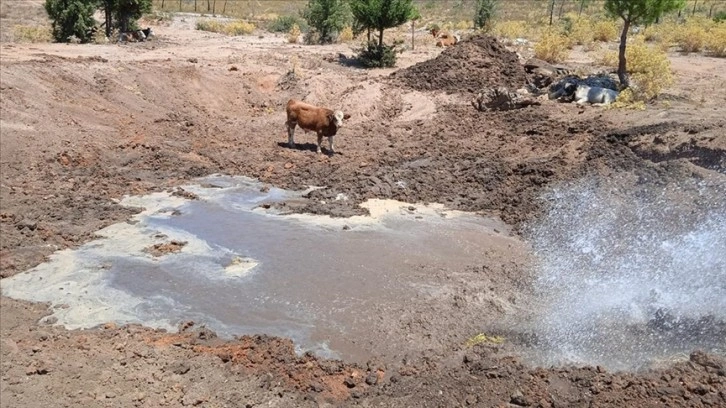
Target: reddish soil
column 83, row 125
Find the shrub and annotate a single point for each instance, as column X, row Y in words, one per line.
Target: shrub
column 293, row 36
column 375, row 56
column 484, row 14
column 71, row 19
column 720, row 16
column 605, row 31
column 552, row 46
column 283, row 24
column 578, row 29
column 326, row 17
column 649, row 67
column 691, row 38
column 463, row 25
column 627, row 99
column 346, row 34
column 716, row 40
column 32, row 34
column 238, row 27
column 510, row 29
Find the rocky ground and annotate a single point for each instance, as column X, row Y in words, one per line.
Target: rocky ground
column 83, row 125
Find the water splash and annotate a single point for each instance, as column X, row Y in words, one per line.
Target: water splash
column 627, row 278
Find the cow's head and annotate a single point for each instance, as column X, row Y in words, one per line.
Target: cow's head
column 337, row 118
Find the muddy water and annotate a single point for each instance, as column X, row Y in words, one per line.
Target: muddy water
column 247, row 269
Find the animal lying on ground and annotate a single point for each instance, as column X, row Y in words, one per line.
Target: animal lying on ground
column 323, row 121
column 138, row 35
column 594, row 95
column 566, row 89
column 447, row 40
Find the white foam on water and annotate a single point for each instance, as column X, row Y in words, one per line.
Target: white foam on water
column 244, row 267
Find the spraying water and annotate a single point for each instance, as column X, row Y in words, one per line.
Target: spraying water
column 630, row 278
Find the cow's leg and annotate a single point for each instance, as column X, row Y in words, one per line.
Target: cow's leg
column 291, row 134
column 320, row 142
column 330, row 143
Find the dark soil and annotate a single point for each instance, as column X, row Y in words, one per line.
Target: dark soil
column 471, row 65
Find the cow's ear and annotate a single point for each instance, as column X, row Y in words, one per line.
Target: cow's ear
column 346, row 116
column 331, row 117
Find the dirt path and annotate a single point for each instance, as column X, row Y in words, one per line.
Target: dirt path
column 83, row 125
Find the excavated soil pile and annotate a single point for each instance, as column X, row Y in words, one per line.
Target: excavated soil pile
column 473, row 64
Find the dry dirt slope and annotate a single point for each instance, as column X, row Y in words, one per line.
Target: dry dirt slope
column 83, row 125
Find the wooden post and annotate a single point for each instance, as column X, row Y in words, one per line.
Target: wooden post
column 413, row 28
column 224, row 8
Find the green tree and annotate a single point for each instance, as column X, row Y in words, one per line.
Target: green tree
column 326, row 17
column 484, row 13
column 637, row 12
column 381, row 14
column 127, row 12
column 71, row 18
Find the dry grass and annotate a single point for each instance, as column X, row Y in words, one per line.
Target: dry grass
column 294, row 35
column 552, row 46
column 649, row 67
column 32, row 34
column 346, row 35
column 716, row 40
column 238, row 27
column 511, row 29
column 605, row 30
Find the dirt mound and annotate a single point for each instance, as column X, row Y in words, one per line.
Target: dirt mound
column 478, row 62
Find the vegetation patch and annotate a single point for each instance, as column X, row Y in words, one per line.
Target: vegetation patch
column 32, row 34
column 237, row 27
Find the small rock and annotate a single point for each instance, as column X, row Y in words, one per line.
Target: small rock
column 349, row 383
column 50, row 320
column 371, row 379
column 289, row 165
column 193, row 60
column 233, row 68
column 518, row 398
column 179, row 367
column 346, row 227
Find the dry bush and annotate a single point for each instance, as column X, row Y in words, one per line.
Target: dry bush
column 716, row 40
column 628, row 99
column 579, row 29
column 32, row 34
column 346, row 34
column 510, row 29
column 552, row 46
column 691, row 38
column 605, row 30
column 294, row 35
column 464, row 25
column 649, row 68
column 238, row 27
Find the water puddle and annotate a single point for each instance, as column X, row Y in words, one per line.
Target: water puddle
column 237, row 265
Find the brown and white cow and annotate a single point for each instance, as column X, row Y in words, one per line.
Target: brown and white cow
column 447, row 40
column 323, row 121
